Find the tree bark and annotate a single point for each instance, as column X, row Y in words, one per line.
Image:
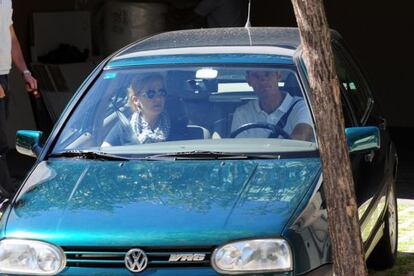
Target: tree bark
column 343, row 221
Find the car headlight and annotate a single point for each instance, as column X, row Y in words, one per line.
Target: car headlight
column 261, row 255
column 30, row 257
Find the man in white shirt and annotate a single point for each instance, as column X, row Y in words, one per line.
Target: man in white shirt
column 9, row 51
column 273, row 107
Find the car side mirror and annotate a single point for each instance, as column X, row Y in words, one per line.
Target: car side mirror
column 28, row 142
column 362, row 138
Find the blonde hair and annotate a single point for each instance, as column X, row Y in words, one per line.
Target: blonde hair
column 137, row 85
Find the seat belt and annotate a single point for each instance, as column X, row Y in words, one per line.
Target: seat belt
column 282, row 122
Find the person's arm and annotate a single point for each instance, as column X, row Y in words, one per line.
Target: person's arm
column 303, row 123
column 303, row 132
column 18, row 59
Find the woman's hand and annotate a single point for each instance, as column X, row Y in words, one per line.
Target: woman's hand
column 31, row 82
column 2, row 94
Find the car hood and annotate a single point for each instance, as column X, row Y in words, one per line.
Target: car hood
column 159, row 203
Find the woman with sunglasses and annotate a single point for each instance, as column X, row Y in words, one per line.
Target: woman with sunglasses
column 150, row 123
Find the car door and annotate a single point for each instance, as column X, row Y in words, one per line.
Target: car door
column 372, row 171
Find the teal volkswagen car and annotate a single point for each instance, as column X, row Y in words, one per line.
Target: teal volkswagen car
column 153, row 168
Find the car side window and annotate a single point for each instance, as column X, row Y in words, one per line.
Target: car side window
column 349, row 119
column 353, row 86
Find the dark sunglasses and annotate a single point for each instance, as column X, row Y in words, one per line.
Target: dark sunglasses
column 151, row 94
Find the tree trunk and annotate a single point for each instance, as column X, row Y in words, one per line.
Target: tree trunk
column 344, row 230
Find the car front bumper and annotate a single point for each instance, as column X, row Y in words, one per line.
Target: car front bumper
column 190, row 271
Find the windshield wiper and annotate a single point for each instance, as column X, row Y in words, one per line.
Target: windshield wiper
column 94, row 155
column 209, row 155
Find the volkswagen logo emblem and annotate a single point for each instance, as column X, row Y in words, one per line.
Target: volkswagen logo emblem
column 136, row 260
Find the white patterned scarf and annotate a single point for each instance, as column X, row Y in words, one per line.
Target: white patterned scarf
column 145, row 133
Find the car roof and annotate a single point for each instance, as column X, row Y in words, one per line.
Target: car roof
column 282, row 37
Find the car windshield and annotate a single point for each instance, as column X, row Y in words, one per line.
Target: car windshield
column 190, row 108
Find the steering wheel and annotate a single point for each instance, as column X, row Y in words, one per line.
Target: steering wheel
column 275, row 130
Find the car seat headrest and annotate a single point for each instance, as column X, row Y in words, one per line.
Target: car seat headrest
column 183, row 84
column 292, row 86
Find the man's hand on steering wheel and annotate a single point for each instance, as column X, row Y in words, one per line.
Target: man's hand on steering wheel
column 275, row 130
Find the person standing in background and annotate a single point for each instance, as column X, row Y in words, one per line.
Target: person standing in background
column 193, row 14
column 221, row 13
column 10, row 51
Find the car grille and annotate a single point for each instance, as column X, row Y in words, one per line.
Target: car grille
column 114, row 256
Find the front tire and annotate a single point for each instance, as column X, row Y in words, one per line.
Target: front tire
column 385, row 252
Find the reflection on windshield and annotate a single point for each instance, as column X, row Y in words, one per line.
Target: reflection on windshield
column 192, row 105
column 87, row 186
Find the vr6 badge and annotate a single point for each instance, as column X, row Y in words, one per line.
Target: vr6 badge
column 187, row 257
